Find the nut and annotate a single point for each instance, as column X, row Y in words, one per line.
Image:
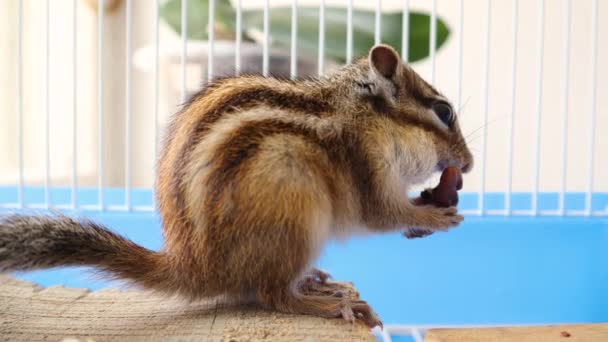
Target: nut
column 445, row 194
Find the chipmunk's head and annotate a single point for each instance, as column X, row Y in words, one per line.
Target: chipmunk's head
column 390, row 88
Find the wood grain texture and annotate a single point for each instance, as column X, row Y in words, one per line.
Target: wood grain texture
column 545, row 333
column 31, row 313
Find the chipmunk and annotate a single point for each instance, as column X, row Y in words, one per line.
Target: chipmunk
column 257, row 174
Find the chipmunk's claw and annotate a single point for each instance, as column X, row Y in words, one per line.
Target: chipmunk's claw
column 353, row 310
column 413, row 233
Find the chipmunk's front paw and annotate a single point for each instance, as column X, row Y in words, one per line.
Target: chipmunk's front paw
column 317, row 275
column 414, row 233
column 316, row 283
column 436, row 218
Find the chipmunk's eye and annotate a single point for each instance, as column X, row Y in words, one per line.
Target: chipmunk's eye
column 366, row 86
column 444, row 112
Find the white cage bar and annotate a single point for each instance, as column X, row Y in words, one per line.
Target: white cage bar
column 293, row 58
column 484, row 110
column 349, row 32
column 19, row 82
column 565, row 104
column 211, row 34
column 184, row 56
column 378, row 23
column 593, row 110
column 405, row 26
column 128, row 62
column 74, row 194
column 484, row 95
column 238, row 37
column 460, row 55
column 266, row 44
column 510, row 130
column 156, row 82
column 47, row 133
column 539, row 103
column 321, row 60
column 100, row 105
column 433, row 39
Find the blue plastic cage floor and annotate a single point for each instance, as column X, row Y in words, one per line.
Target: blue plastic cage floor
column 491, row 270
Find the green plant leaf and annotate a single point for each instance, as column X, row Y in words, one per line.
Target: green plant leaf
column 198, row 16
column 308, row 27
column 335, row 30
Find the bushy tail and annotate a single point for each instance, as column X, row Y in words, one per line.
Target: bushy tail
column 38, row 242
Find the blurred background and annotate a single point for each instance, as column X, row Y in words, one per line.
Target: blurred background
column 467, row 91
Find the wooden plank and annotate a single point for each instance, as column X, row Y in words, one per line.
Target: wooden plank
column 545, row 333
column 31, row 313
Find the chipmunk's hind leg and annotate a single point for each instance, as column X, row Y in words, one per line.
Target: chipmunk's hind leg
column 294, row 301
column 283, row 220
column 289, row 288
column 282, row 245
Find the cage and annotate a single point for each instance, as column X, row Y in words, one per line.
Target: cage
column 88, row 85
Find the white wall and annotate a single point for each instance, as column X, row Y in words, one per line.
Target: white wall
column 446, row 79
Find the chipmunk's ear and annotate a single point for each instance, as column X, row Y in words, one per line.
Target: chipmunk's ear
column 384, row 60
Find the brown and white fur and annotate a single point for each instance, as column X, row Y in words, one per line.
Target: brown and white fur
column 257, row 174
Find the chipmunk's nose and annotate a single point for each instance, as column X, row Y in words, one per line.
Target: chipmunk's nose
column 468, row 166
